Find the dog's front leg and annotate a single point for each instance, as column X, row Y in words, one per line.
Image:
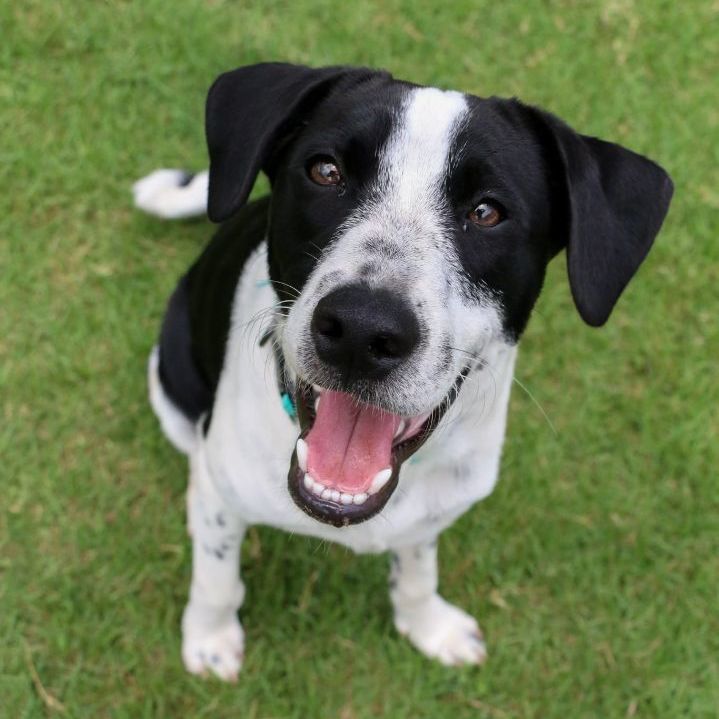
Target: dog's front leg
column 437, row 628
column 212, row 637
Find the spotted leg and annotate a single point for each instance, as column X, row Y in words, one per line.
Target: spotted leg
column 437, row 628
column 212, row 637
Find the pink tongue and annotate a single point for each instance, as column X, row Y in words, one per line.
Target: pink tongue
column 349, row 442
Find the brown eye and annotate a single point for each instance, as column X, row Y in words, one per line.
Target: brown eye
column 486, row 214
column 325, row 172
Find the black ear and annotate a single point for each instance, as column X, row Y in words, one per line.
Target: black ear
column 248, row 113
column 612, row 204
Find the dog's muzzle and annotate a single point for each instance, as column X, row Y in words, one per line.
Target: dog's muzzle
column 348, row 456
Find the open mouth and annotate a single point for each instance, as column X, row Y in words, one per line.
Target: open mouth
column 346, row 463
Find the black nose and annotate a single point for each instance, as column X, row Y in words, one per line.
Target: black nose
column 364, row 333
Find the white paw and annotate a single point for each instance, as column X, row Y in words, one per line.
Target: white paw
column 218, row 651
column 442, row 631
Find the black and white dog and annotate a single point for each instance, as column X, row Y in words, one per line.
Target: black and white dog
column 368, row 312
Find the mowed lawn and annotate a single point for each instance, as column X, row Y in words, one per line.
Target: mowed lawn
column 593, row 568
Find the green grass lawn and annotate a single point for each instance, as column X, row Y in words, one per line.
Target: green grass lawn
column 593, row 568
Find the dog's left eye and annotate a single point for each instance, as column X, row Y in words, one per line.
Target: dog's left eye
column 486, row 214
column 324, row 171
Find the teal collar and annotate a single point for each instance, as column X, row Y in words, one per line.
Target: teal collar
column 285, row 395
column 289, row 406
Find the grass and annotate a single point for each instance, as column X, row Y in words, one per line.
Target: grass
column 593, row 568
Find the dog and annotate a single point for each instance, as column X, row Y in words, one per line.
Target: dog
column 338, row 361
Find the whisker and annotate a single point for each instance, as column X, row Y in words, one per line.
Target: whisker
column 286, row 284
column 311, row 256
column 473, row 355
column 539, row 406
column 317, row 247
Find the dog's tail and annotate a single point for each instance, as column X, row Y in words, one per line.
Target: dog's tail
column 172, row 194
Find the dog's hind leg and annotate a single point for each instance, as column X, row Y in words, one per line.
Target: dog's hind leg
column 212, row 636
column 181, row 432
column 437, row 628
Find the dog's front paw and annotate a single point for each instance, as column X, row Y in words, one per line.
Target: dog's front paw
column 442, row 631
column 217, row 650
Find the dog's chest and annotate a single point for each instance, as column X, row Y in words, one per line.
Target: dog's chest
column 252, row 437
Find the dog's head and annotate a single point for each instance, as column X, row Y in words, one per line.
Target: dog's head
column 410, row 229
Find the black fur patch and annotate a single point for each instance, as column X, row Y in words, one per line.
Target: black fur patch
column 196, row 325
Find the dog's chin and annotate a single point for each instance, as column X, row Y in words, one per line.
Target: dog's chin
column 348, row 456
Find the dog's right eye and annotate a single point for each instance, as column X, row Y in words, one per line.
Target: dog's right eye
column 324, row 171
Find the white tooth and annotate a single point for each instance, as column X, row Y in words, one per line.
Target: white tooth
column 309, row 482
column 317, row 487
column 317, row 404
column 335, row 495
column 400, row 429
column 346, row 498
column 301, row 450
column 379, row 481
column 326, row 494
column 360, row 498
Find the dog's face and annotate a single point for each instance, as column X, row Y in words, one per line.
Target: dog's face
column 409, row 233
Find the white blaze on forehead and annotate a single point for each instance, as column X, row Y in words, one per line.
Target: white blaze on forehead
column 415, row 160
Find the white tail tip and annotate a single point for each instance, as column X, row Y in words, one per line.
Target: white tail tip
column 169, row 195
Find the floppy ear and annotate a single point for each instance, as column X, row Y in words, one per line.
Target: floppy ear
column 249, row 111
column 613, row 203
